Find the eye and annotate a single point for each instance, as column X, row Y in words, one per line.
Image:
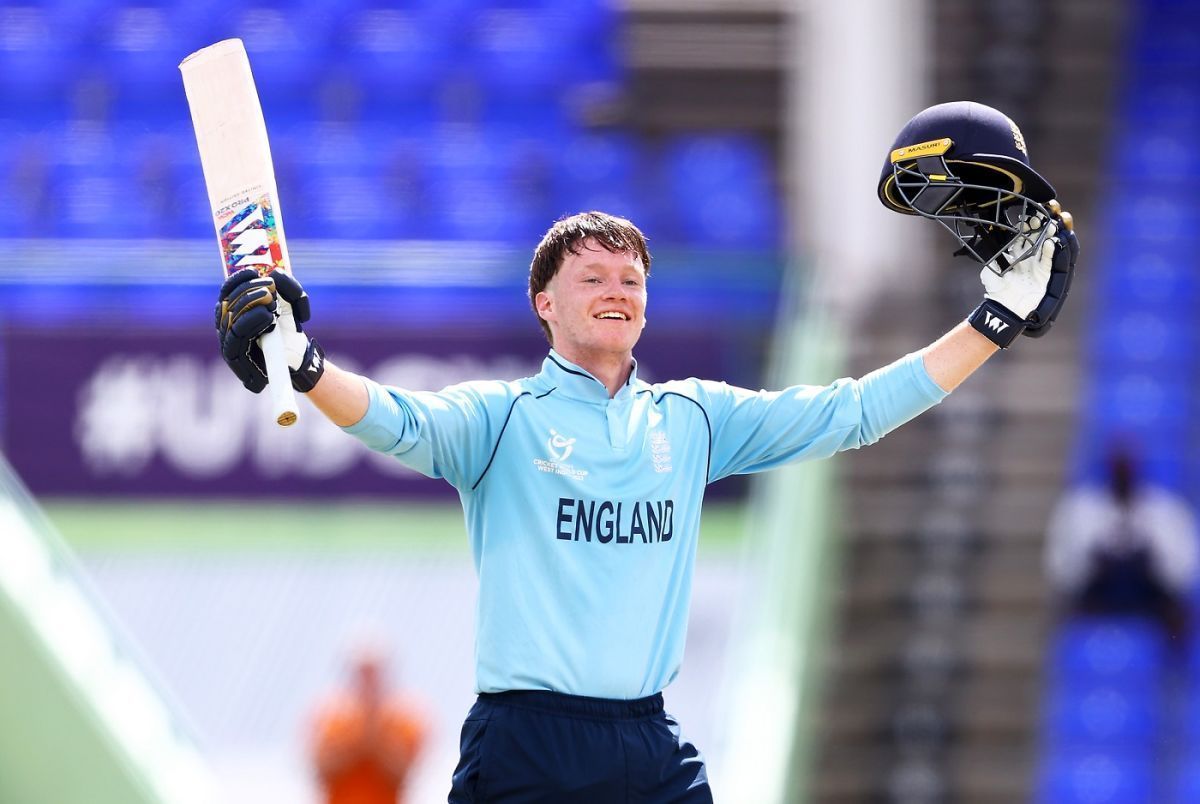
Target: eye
column 633, row 283
column 592, row 280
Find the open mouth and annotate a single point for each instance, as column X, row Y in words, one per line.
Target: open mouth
column 612, row 315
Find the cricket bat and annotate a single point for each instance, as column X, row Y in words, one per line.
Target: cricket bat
column 236, row 158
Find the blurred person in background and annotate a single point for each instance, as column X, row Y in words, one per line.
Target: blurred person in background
column 582, row 490
column 365, row 738
column 1124, row 547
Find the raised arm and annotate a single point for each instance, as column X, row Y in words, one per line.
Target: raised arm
column 341, row 395
column 966, row 166
column 448, row 434
column 955, row 356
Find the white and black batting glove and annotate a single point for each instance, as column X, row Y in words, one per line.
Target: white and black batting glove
column 306, row 359
column 247, row 308
column 1029, row 295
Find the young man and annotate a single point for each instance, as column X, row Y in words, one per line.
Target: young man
column 582, row 489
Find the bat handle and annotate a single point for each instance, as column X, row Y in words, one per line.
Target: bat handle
column 279, row 381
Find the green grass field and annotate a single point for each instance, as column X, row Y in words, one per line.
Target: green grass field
column 158, row 526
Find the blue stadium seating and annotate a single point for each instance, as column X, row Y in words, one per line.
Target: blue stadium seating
column 398, row 58
column 1143, row 339
column 1147, row 277
column 1108, row 650
column 1169, row 49
column 1171, row 105
column 136, row 50
column 1163, row 155
column 288, row 54
column 511, row 44
column 711, row 161
column 598, row 160
column 1109, row 681
column 1097, row 777
column 601, row 171
column 1081, row 714
column 1150, row 219
column 1183, row 786
column 1139, row 402
column 367, row 102
column 479, row 209
column 25, row 199
column 719, row 191
column 338, row 203
column 95, row 201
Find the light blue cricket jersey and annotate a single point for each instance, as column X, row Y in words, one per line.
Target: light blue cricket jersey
column 583, row 511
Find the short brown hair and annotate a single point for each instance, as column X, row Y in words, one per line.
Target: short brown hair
column 567, row 236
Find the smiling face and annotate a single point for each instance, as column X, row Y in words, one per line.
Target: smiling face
column 595, row 305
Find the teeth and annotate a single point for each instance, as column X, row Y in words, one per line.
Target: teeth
column 617, row 316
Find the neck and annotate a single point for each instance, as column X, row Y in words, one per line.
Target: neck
column 611, row 369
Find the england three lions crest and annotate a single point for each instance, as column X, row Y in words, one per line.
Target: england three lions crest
column 660, row 451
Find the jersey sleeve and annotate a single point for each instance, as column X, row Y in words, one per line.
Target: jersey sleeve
column 757, row 430
column 445, row 434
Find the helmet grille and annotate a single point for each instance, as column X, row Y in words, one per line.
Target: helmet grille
column 980, row 204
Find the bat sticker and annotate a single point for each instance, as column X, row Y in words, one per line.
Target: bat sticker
column 250, row 239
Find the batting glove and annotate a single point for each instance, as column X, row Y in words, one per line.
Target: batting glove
column 247, row 308
column 1062, row 272
column 1031, row 292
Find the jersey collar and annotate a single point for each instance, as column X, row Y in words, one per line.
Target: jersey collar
column 571, row 380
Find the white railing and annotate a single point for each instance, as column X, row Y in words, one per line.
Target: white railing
column 80, row 717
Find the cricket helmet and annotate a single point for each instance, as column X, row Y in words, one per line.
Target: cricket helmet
column 966, row 166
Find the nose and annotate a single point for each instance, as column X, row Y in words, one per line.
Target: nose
column 615, row 289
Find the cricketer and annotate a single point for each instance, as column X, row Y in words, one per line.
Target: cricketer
column 582, row 485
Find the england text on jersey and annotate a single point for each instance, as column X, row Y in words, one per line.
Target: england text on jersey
column 621, row 522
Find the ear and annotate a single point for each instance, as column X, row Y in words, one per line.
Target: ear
column 544, row 304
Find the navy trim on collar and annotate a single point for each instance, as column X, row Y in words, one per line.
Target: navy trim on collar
column 574, row 381
column 550, row 357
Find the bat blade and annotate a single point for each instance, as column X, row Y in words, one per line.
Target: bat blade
column 235, row 155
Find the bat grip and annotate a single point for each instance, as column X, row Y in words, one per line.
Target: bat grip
column 279, row 381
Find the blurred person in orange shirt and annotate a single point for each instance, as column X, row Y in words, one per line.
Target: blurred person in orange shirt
column 365, row 740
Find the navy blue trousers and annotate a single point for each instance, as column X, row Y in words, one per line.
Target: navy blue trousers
column 534, row 747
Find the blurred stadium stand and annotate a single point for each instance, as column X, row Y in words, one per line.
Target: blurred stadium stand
column 420, row 151
column 1120, row 709
column 936, row 690
column 388, row 123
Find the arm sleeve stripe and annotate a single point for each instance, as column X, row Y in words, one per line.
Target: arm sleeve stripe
column 707, row 424
column 499, row 437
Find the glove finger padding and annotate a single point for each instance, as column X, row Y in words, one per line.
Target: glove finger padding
column 243, row 291
column 245, row 358
column 245, row 310
column 233, row 280
column 257, row 294
column 1062, row 272
column 294, row 294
